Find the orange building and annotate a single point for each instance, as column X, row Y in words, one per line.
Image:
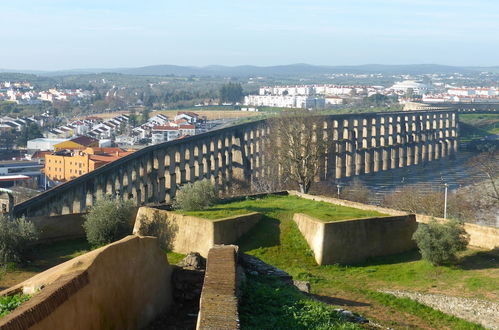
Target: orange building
column 66, row 165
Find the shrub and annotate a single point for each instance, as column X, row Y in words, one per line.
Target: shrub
column 356, row 191
column 158, row 227
column 108, row 221
column 15, row 236
column 195, row 196
column 439, row 242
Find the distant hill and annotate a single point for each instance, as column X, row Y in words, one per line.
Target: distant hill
column 279, row 70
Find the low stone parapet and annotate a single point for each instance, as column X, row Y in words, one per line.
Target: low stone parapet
column 193, row 234
column 353, row 241
column 484, row 237
column 218, row 304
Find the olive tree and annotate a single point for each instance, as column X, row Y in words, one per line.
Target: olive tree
column 15, row 238
column 108, row 221
column 439, row 242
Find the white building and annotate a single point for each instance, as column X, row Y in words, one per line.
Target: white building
column 333, row 100
column 285, row 101
column 461, row 91
column 162, row 134
column 43, row 144
column 402, row 87
column 191, row 117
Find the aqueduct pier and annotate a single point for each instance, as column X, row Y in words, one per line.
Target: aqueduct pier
column 356, row 144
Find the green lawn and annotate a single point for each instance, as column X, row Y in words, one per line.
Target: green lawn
column 277, row 241
column 277, row 204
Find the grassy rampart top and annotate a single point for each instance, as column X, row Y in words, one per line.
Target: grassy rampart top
column 283, row 204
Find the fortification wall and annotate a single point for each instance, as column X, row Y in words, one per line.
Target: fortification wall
column 123, row 285
column 59, row 227
column 193, row 234
column 351, row 241
column 480, row 236
column 218, row 303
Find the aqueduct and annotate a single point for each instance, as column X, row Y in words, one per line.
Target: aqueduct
column 357, row 144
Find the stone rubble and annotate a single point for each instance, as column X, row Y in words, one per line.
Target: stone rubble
column 479, row 311
column 193, row 261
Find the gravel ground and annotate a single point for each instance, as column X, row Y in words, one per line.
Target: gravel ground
column 483, row 312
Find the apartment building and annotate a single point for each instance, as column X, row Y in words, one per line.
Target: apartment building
column 66, row 165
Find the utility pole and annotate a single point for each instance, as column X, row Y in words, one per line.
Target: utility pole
column 445, row 201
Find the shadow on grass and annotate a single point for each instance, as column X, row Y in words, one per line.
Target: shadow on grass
column 248, row 209
column 336, row 301
column 412, row 255
column 49, row 255
column 265, row 233
column 480, row 260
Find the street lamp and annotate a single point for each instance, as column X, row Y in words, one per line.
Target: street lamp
column 445, row 201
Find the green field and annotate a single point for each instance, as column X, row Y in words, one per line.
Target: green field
column 289, row 205
column 478, row 125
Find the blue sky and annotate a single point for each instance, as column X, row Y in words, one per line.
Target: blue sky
column 56, row 34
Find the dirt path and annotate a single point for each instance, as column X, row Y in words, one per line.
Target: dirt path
column 385, row 317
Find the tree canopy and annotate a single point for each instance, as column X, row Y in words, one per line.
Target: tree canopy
column 231, row 93
column 28, row 132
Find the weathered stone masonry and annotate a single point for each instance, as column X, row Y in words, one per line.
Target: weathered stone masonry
column 357, row 144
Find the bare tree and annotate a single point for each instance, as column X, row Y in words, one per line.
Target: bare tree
column 487, row 164
column 294, row 148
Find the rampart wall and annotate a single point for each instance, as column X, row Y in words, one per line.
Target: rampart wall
column 124, row 285
column 353, row 241
column 218, row 303
column 192, row 234
column 480, row 236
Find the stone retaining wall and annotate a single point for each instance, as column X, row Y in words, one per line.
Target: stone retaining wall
column 123, row 285
column 193, row 234
column 484, row 237
column 352, row 241
column 218, row 304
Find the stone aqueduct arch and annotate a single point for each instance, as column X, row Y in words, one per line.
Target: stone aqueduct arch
column 357, row 144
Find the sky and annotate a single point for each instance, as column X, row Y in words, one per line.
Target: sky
column 57, row 35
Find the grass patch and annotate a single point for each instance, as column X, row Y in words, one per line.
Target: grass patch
column 174, row 258
column 283, row 205
column 9, row 303
column 267, row 301
column 42, row 258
